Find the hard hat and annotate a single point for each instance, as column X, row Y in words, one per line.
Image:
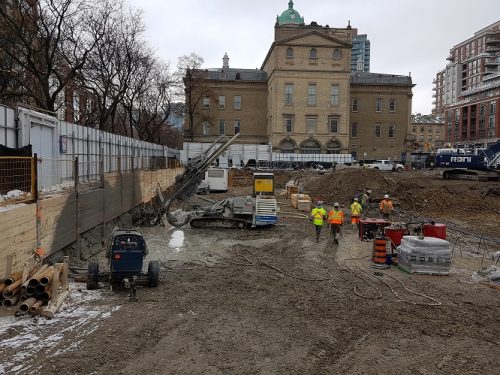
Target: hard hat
column 336, row 204
column 386, row 196
column 369, row 191
column 355, row 199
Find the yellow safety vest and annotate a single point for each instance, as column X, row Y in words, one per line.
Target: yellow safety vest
column 356, row 209
column 318, row 214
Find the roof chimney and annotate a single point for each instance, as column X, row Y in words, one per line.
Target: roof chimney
column 225, row 61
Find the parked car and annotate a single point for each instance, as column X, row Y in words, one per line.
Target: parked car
column 385, row 165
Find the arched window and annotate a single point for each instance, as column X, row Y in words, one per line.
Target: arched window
column 337, row 54
column 310, row 147
column 289, row 53
column 313, row 53
column 287, row 146
column 333, row 147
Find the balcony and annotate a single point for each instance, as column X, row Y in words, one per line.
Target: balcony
column 491, row 62
column 434, row 95
column 492, row 48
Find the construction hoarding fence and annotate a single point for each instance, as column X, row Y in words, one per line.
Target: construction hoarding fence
column 76, row 178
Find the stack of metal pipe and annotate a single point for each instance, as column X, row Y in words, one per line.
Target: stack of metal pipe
column 31, row 295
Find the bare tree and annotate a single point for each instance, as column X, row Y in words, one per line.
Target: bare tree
column 44, row 44
column 152, row 106
column 194, row 84
column 116, row 58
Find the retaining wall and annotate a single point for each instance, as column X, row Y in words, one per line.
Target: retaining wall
column 64, row 216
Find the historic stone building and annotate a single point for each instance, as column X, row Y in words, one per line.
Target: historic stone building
column 302, row 99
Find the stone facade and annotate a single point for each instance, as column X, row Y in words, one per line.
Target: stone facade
column 426, row 132
column 380, row 114
column 223, row 114
column 304, row 114
column 300, row 101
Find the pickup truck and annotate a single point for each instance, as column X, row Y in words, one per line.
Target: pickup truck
column 385, row 165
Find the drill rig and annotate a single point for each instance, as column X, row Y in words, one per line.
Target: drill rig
column 236, row 212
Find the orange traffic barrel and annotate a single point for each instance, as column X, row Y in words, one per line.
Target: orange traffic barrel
column 379, row 257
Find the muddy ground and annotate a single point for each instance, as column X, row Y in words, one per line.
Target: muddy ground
column 272, row 301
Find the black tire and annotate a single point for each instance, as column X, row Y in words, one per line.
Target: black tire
column 93, row 275
column 153, row 273
column 241, row 225
column 376, row 168
column 399, row 170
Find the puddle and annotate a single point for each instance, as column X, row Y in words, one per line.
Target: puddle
column 176, row 240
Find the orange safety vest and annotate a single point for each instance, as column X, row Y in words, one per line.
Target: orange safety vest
column 386, row 206
column 336, row 217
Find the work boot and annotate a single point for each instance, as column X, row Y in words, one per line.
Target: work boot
column 335, row 241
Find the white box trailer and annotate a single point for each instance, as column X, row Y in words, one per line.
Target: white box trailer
column 217, row 179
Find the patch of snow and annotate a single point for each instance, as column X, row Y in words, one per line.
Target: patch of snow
column 22, row 340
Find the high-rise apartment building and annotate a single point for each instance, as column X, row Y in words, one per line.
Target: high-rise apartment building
column 360, row 55
column 467, row 91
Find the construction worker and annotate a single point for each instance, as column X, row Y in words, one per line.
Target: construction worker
column 365, row 199
column 335, row 220
column 318, row 215
column 356, row 210
column 386, row 207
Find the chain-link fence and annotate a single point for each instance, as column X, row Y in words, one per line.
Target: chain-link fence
column 17, row 179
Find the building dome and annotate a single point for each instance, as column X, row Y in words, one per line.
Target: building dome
column 290, row 16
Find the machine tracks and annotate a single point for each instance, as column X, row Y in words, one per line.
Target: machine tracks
column 217, row 222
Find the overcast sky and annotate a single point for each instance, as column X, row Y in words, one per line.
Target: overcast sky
column 406, row 35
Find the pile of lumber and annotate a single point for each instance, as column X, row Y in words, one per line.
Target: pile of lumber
column 36, row 290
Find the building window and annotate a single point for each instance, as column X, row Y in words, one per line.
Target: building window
column 378, row 105
column 237, row 126
column 335, row 95
column 333, row 147
column 392, row 105
column 313, row 53
column 289, row 53
column 333, row 125
column 311, row 95
column 355, row 105
column 288, row 94
column 222, row 102
column 354, row 130
column 414, row 129
column 237, row 102
column 206, row 102
column 311, row 124
column 422, row 129
column 377, row 130
column 206, row 127
column 222, row 127
column 288, row 124
column 392, row 129
column 310, row 147
column 337, row 54
column 287, row 146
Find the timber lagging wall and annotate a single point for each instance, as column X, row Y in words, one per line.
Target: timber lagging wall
column 61, row 215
